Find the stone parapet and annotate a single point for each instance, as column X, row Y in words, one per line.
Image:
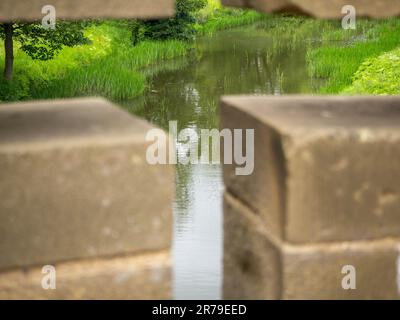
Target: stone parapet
column 76, row 186
column 325, row 169
column 260, row 266
column 22, row 10
column 323, row 195
column 137, row 277
column 328, row 9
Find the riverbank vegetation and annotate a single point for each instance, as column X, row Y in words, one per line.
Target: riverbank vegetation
column 109, row 57
column 357, row 65
column 108, row 66
column 226, row 19
column 360, row 61
column 380, row 75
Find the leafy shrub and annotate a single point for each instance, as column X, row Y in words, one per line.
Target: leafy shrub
column 14, row 90
column 180, row 27
column 379, row 75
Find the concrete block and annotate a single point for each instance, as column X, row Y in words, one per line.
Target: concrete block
column 258, row 265
column 15, row 10
column 75, row 183
column 146, row 276
column 322, row 9
column 326, row 168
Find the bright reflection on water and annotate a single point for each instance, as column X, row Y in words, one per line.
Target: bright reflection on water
column 198, row 234
column 246, row 61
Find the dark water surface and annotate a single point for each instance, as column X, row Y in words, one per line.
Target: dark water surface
column 240, row 61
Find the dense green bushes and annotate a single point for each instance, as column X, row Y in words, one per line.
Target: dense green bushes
column 180, row 27
column 193, row 17
column 379, row 75
column 338, row 61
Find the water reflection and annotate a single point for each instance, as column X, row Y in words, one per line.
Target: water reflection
column 243, row 61
column 198, row 233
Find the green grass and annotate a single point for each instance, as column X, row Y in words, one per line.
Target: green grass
column 222, row 19
column 109, row 66
column 30, row 73
column 348, row 61
column 117, row 75
column 338, row 61
column 334, row 55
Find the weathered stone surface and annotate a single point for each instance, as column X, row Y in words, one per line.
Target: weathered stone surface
column 251, row 262
column 75, row 183
column 260, row 266
column 12, row 10
column 326, row 168
column 322, row 9
column 146, row 276
column 315, row 271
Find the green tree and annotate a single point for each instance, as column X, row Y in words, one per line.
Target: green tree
column 38, row 42
column 180, row 27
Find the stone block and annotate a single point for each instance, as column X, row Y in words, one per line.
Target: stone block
column 326, row 168
column 75, row 183
column 16, row 10
column 146, row 276
column 258, row 265
column 252, row 264
column 322, row 9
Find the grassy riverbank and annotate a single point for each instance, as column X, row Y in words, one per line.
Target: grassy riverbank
column 360, row 61
column 215, row 17
column 115, row 73
column 108, row 66
column 228, row 18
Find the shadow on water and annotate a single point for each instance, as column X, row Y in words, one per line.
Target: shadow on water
column 240, row 61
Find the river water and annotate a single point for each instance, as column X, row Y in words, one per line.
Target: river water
column 239, row 61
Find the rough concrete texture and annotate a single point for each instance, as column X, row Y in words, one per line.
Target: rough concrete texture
column 146, row 276
column 258, row 265
column 326, row 168
column 322, row 9
column 75, row 184
column 14, row 10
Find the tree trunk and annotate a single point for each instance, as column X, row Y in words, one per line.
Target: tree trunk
column 8, row 45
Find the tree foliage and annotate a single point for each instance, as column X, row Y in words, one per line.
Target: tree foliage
column 180, row 27
column 44, row 44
